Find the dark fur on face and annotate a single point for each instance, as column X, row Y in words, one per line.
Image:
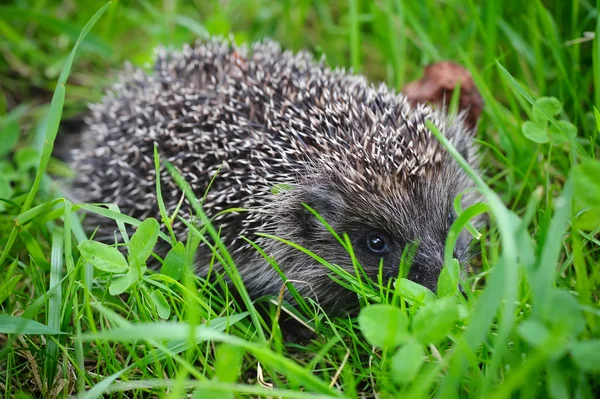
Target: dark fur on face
column 359, row 155
column 419, row 216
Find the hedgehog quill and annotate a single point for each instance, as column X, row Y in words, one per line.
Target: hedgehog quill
column 257, row 118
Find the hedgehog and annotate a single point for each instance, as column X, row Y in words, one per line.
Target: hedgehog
column 280, row 137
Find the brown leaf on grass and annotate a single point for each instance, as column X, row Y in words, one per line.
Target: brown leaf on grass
column 438, row 83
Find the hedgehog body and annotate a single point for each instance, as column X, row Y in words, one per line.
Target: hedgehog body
column 255, row 119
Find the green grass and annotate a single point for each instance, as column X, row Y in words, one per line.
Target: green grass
column 527, row 325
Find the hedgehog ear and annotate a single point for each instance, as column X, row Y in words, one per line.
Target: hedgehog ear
column 319, row 201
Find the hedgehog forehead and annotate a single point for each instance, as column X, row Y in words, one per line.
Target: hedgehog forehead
column 405, row 209
column 392, row 193
column 402, row 217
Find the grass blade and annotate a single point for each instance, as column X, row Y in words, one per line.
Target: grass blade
column 55, row 112
column 21, row 325
column 54, row 303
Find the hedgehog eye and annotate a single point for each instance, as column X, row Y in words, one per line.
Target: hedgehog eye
column 377, row 243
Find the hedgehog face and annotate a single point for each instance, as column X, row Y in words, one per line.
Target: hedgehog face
column 381, row 232
column 381, row 226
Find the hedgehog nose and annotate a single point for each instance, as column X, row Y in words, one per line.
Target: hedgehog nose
column 425, row 276
column 389, row 273
column 426, row 273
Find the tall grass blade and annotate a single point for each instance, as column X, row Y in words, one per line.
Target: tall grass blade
column 54, row 303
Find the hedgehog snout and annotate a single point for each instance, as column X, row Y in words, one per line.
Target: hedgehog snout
column 425, row 274
column 429, row 262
